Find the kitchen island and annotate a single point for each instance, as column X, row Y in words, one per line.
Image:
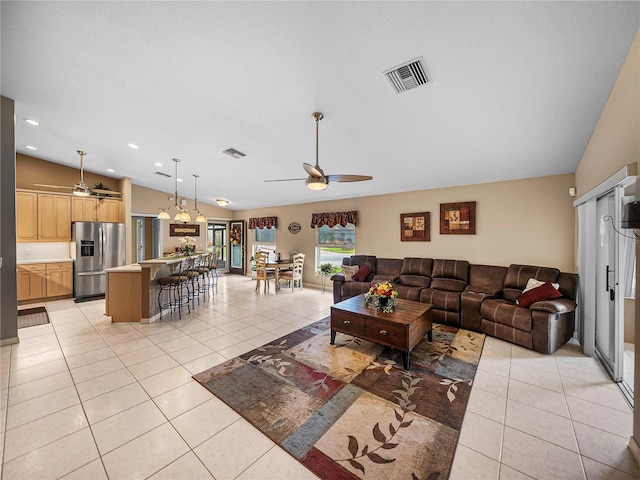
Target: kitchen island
column 132, row 290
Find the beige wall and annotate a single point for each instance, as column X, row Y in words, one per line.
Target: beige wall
column 30, row 170
column 616, row 139
column 528, row 221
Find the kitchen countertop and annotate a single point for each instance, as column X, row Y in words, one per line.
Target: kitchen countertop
column 134, row 267
column 48, row 260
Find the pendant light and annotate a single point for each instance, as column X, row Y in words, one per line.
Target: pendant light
column 200, row 218
column 182, row 215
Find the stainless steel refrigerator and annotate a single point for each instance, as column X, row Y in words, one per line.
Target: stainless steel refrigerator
column 95, row 246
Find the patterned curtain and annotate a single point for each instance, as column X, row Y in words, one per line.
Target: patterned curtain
column 333, row 218
column 263, row 222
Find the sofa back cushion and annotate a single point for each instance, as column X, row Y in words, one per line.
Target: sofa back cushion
column 486, row 278
column 389, row 267
column 417, row 266
column 518, row 275
column 360, row 260
column 450, row 275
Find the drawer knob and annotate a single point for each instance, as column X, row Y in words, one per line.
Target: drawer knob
column 347, row 322
column 384, row 333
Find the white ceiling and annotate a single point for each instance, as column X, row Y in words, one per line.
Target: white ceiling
column 517, row 90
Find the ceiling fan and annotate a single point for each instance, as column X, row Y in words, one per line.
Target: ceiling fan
column 317, row 180
column 81, row 189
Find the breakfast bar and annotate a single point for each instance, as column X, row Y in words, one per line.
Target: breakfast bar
column 132, row 290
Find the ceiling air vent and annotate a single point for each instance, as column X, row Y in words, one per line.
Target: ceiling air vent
column 232, row 152
column 409, row 75
column 162, row 174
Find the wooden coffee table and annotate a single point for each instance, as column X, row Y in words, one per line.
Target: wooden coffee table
column 401, row 329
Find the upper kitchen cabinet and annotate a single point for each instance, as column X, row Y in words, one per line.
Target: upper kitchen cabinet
column 43, row 217
column 92, row 209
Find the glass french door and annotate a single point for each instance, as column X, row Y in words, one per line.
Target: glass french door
column 217, row 242
column 237, row 242
column 608, row 336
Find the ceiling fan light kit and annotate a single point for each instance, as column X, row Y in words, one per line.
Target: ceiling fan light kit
column 317, row 180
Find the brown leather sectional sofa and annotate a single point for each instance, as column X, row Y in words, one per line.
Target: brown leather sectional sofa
column 481, row 298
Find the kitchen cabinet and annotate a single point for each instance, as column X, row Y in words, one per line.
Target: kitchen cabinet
column 43, row 217
column 59, row 279
column 44, row 280
column 92, row 209
column 32, row 281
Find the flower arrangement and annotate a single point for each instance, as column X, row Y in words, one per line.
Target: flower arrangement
column 187, row 245
column 235, row 235
column 381, row 296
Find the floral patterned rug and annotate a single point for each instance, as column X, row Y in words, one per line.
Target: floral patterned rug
column 350, row 410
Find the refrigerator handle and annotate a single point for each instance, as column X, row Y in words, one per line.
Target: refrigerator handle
column 102, row 245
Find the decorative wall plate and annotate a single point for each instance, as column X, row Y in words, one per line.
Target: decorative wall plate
column 294, row 227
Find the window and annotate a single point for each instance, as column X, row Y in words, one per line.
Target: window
column 265, row 240
column 334, row 243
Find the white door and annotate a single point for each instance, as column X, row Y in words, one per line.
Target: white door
column 607, row 338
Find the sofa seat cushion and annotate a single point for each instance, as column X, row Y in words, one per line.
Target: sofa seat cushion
column 506, row 313
column 414, row 281
column 383, row 278
column 441, row 300
column 408, row 293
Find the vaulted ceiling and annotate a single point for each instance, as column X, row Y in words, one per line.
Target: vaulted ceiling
column 517, row 89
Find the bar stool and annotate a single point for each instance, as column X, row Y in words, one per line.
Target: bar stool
column 173, row 285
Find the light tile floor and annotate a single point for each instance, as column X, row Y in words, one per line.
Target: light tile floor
column 87, row 399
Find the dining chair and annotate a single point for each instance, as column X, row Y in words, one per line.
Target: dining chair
column 295, row 274
column 262, row 272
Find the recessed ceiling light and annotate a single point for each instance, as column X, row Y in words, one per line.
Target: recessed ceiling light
column 133, row 145
column 31, row 147
column 110, row 170
column 158, row 164
column 179, row 179
column 32, row 122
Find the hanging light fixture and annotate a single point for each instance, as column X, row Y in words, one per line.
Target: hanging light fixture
column 200, row 218
column 182, row 214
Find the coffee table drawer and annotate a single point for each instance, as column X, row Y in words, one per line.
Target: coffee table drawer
column 389, row 333
column 348, row 323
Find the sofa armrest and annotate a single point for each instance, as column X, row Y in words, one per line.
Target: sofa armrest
column 338, row 277
column 557, row 305
column 337, row 280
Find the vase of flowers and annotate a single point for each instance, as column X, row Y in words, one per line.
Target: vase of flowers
column 381, row 296
column 187, row 245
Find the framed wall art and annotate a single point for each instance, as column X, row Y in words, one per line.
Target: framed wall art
column 181, row 230
column 458, row 218
column 415, row 227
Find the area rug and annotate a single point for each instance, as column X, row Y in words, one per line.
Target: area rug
column 350, row 410
column 30, row 317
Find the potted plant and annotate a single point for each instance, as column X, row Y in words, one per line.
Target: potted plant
column 326, row 270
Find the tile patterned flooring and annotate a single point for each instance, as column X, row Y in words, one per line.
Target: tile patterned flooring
column 82, row 398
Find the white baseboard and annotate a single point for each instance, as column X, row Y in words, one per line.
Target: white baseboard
column 635, row 449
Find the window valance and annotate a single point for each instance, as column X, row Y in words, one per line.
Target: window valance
column 333, row 218
column 263, row 222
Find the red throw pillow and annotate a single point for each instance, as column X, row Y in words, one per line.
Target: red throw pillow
column 362, row 273
column 546, row 291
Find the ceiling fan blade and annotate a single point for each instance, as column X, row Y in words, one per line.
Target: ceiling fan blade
column 313, row 171
column 349, row 178
column 106, row 192
column 286, row 180
column 51, row 186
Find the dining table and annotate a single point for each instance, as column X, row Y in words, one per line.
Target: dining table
column 278, row 265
